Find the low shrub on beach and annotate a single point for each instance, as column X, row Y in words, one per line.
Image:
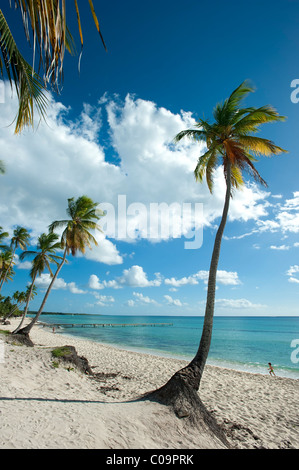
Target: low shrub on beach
column 69, row 355
column 4, row 332
column 61, row 351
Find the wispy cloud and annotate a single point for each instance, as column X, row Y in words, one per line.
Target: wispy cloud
column 280, row 247
column 292, row 272
column 223, row 277
column 237, row 304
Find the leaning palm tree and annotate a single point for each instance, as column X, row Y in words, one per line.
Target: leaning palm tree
column 20, row 239
column 46, row 29
column 230, row 143
column 76, row 236
column 47, row 246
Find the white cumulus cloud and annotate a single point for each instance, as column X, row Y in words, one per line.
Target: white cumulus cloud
column 171, row 301
column 44, row 280
column 69, row 156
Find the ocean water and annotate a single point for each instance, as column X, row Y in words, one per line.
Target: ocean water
column 241, row 343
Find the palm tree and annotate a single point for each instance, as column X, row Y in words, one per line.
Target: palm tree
column 17, row 297
column 20, row 239
column 83, row 215
column 230, row 143
column 46, row 28
column 20, row 298
column 6, row 261
column 3, row 235
column 2, row 167
column 47, row 246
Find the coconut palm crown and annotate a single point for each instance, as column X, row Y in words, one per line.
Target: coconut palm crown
column 83, row 215
column 229, row 139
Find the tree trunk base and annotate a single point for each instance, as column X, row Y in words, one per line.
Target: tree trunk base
column 22, row 331
column 184, row 400
column 22, row 338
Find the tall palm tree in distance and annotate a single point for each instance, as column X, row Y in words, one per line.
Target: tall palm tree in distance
column 83, row 216
column 20, row 239
column 231, row 143
column 47, row 246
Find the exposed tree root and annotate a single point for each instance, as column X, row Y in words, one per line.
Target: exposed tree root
column 22, row 338
column 184, row 400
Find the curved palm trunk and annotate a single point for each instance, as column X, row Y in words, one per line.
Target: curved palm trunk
column 200, row 358
column 181, row 390
column 26, row 307
column 27, row 329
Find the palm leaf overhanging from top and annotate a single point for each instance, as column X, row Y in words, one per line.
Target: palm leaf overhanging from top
column 230, row 138
column 29, row 86
column 46, row 29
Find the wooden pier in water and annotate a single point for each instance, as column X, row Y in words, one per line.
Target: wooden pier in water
column 101, row 325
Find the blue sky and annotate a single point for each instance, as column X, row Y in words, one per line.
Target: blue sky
column 110, row 132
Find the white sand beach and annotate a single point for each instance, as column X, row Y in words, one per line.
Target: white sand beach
column 48, row 407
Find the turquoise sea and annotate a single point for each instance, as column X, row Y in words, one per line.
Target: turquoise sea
column 242, row 343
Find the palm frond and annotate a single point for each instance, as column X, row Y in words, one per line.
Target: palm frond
column 210, row 168
column 47, row 21
column 236, row 177
column 247, row 166
column 28, row 85
column 200, row 169
column 239, row 94
column 224, row 113
column 27, row 253
column 57, row 224
column 260, row 146
column 194, row 134
column 255, row 117
column 46, row 28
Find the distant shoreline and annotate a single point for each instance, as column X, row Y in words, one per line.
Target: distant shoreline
column 32, row 312
column 60, row 313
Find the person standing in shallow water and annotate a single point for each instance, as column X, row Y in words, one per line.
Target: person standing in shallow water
column 271, row 371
